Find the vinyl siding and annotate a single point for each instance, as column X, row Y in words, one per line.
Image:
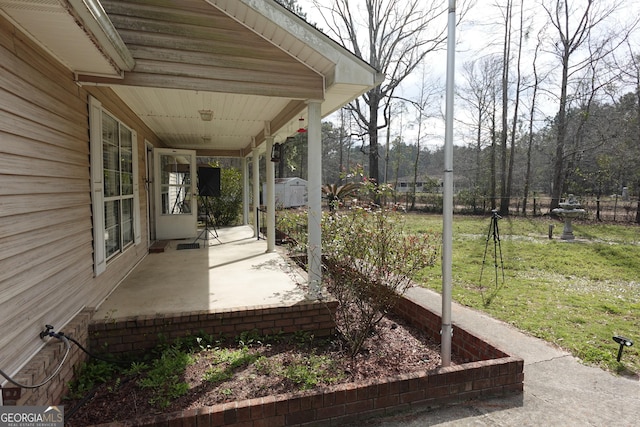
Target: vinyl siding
column 46, row 243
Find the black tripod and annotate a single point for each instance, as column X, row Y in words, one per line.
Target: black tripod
column 207, row 232
column 495, row 232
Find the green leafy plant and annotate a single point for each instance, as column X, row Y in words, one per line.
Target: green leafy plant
column 137, row 368
column 225, row 361
column 336, row 194
column 310, row 370
column 89, row 375
column 164, row 377
column 248, row 338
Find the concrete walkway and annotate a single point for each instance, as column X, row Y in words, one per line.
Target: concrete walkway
column 558, row 389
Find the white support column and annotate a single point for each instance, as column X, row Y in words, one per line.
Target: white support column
column 271, row 193
column 255, row 164
column 314, row 152
column 245, row 190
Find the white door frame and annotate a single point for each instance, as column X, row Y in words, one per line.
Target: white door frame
column 150, row 189
column 178, row 219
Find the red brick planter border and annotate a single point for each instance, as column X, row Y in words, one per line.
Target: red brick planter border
column 489, row 372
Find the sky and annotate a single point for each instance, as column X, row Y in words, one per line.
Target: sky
column 477, row 31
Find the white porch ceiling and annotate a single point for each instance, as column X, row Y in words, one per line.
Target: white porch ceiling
column 251, row 62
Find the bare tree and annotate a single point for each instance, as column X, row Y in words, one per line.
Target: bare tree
column 506, row 199
column 574, row 22
column 506, row 63
column 629, row 69
column 394, row 36
column 478, row 93
column 532, row 116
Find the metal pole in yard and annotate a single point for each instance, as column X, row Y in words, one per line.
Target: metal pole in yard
column 447, row 206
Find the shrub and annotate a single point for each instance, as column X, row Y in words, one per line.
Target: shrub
column 369, row 261
column 226, row 208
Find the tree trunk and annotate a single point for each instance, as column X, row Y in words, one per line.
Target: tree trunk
column 558, row 168
column 492, row 168
column 532, row 113
column 638, row 206
column 512, row 149
column 374, row 155
column 478, row 157
column 506, row 54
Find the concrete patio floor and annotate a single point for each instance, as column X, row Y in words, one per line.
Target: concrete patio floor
column 231, row 271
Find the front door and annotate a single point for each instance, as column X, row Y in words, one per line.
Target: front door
column 176, row 201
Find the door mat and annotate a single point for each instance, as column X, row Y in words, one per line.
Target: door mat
column 188, row 246
column 158, row 246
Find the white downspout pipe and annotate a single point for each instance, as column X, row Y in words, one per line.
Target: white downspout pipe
column 314, row 153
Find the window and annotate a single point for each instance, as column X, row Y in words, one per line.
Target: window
column 117, row 162
column 116, row 216
column 175, row 184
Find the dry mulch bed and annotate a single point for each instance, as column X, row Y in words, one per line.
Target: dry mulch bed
column 394, row 348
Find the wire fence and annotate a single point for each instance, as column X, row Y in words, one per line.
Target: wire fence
column 610, row 209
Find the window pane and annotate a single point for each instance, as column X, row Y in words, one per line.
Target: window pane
column 125, row 139
column 126, row 161
column 109, row 130
column 112, row 228
column 175, row 184
column 175, row 170
column 111, row 170
column 127, row 221
column 127, row 183
column 111, row 162
column 175, row 201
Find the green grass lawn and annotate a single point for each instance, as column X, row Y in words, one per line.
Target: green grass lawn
column 577, row 294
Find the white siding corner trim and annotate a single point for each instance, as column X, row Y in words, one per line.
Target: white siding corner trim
column 97, row 186
column 137, row 232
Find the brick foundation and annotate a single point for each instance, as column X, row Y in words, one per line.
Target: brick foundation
column 139, row 333
column 45, row 362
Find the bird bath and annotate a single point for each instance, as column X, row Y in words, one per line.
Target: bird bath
column 568, row 210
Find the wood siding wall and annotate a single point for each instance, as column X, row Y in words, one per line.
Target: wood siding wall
column 46, row 247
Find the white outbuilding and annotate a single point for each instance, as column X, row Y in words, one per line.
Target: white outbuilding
column 290, row 192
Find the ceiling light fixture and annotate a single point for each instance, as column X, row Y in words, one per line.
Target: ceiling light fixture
column 206, row 115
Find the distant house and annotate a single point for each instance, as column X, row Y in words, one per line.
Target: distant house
column 104, row 108
column 423, row 183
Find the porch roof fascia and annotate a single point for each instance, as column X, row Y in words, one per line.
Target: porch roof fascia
column 343, row 76
column 96, row 20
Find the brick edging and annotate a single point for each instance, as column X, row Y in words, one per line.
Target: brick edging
column 489, row 372
column 350, row 402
